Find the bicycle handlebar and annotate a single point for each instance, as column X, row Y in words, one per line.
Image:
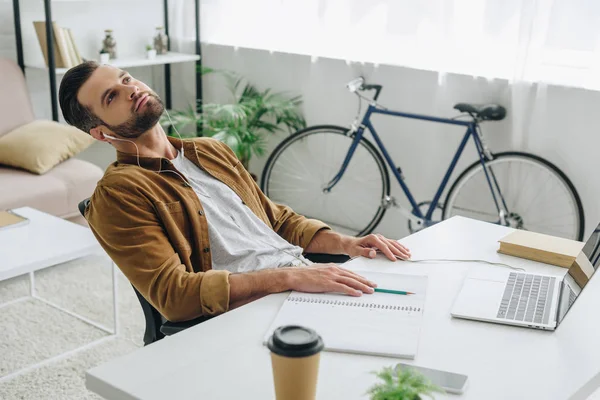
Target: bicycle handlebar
column 377, row 89
column 358, row 84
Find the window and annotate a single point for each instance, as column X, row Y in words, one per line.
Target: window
column 555, row 41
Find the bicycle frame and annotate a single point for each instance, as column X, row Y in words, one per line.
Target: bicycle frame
column 416, row 213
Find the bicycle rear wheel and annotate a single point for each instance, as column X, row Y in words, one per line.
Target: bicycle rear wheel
column 537, row 195
column 304, row 163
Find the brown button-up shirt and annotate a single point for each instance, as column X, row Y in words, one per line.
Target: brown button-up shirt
column 153, row 226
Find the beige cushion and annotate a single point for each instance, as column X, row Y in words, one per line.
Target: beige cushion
column 40, row 145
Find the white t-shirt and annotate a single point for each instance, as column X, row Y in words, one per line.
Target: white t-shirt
column 239, row 240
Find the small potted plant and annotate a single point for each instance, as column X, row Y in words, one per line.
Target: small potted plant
column 150, row 52
column 104, row 56
column 402, row 384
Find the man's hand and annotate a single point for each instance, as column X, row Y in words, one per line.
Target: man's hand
column 324, row 278
column 367, row 246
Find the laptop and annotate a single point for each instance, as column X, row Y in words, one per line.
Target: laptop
column 525, row 299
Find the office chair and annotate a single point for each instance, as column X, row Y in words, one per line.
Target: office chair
column 157, row 327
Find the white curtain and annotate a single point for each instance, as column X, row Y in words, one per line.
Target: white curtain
column 528, row 42
column 555, row 41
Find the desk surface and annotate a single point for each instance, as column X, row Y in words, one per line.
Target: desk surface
column 45, row 241
column 224, row 358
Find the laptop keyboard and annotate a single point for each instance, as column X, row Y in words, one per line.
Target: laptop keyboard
column 527, row 298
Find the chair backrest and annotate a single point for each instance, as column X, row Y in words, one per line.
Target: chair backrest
column 151, row 314
column 15, row 104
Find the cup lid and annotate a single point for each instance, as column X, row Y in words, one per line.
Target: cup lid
column 295, row 341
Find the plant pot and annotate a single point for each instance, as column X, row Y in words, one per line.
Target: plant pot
column 104, row 58
column 151, row 54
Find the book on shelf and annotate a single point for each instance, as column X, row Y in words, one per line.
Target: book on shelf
column 539, row 247
column 66, row 54
column 40, row 30
column 63, row 47
column 73, row 46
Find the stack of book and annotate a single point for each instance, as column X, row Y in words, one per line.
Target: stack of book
column 539, row 247
column 66, row 54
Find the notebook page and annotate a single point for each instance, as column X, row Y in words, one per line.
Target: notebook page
column 380, row 323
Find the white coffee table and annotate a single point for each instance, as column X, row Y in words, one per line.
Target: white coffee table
column 44, row 242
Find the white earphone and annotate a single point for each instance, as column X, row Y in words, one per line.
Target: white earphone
column 137, row 150
column 110, row 137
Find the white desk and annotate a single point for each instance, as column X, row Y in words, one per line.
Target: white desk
column 223, row 358
column 44, row 242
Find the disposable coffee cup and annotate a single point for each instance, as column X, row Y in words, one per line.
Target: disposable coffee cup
column 295, row 355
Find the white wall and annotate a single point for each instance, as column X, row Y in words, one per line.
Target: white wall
column 561, row 127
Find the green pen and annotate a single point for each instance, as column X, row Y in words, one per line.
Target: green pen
column 392, row 291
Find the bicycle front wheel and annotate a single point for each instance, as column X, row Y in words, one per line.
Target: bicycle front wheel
column 304, row 163
column 532, row 193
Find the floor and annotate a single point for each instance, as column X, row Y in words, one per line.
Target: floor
column 33, row 331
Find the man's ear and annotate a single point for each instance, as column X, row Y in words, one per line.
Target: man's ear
column 97, row 134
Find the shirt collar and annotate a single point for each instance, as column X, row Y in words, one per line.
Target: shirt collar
column 155, row 163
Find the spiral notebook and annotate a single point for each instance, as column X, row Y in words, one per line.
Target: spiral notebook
column 378, row 324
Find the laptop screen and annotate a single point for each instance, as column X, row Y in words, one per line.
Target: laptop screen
column 580, row 273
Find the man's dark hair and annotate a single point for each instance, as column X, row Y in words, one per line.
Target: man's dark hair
column 74, row 112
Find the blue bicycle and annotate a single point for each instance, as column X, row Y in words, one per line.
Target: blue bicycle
column 336, row 175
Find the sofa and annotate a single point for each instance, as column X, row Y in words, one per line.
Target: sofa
column 57, row 191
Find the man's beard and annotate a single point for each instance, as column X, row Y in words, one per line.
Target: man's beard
column 141, row 122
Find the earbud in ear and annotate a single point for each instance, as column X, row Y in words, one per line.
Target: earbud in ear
column 109, row 137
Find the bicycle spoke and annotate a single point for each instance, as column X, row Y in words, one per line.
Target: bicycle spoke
column 304, row 163
column 537, row 196
column 293, row 176
column 289, row 190
column 486, row 213
column 539, row 193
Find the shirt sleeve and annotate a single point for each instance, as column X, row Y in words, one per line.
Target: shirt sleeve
column 129, row 230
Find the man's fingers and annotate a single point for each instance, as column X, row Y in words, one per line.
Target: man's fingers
column 383, row 246
column 368, row 252
column 402, row 251
column 355, row 284
column 354, row 275
column 341, row 288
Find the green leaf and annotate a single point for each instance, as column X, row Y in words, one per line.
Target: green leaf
column 243, row 122
column 401, row 384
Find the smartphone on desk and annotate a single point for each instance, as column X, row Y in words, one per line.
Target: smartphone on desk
column 449, row 381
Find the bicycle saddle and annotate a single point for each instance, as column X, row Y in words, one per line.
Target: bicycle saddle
column 489, row 112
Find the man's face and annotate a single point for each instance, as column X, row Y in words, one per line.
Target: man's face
column 126, row 106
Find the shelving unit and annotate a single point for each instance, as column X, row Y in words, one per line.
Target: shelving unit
column 166, row 60
column 130, row 62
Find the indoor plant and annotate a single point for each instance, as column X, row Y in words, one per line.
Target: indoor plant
column 150, row 52
column 401, row 384
column 245, row 119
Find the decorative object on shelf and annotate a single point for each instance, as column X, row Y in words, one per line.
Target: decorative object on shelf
column 161, row 41
column 104, row 57
column 402, row 384
column 243, row 122
column 150, row 52
column 109, row 44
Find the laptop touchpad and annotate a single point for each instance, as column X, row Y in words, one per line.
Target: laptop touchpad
column 479, row 298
